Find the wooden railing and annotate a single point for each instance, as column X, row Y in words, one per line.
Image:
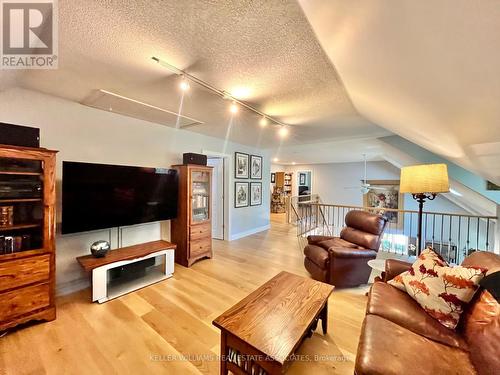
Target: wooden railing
column 454, row 236
column 296, row 205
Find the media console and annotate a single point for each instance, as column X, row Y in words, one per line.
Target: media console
column 130, row 268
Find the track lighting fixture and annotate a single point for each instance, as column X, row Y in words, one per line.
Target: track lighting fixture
column 188, row 78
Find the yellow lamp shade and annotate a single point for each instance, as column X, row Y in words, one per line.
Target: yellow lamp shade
column 428, row 178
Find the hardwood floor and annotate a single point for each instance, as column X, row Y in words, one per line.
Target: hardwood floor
column 166, row 328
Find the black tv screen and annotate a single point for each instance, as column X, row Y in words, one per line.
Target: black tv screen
column 99, row 196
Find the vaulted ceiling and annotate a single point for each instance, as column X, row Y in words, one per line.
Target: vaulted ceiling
column 426, row 70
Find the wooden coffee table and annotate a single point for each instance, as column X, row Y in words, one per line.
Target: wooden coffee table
column 265, row 329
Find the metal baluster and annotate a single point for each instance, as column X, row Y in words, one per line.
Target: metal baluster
column 433, row 230
column 468, row 239
column 487, row 234
column 425, row 229
column 477, row 238
column 449, row 240
column 441, row 237
column 459, row 237
column 324, row 220
column 409, row 234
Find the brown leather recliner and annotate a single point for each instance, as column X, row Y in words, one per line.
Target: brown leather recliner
column 342, row 261
column 399, row 337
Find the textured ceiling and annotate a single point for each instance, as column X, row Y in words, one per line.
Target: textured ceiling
column 264, row 52
column 426, row 70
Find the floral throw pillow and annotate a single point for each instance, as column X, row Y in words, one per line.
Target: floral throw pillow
column 441, row 290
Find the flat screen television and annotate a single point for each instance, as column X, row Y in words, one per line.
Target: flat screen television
column 99, row 196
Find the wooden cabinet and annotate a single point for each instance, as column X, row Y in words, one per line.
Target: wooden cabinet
column 192, row 229
column 27, row 235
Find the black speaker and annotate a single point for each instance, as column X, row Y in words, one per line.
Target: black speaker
column 190, row 158
column 16, row 135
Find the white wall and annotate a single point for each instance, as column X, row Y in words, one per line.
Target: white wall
column 337, row 183
column 82, row 133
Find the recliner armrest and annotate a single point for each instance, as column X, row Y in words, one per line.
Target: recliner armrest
column 313, row 240
column 394, row 267
column 349, row 252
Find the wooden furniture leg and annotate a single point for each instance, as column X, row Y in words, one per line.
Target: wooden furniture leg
column 324, row 318
column 223, row 353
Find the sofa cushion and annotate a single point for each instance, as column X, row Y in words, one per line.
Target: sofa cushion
column 366, row 221
column 398, row 307
column 317, row 255
column 480, row 323
column 442, row 291
column 362, row 239
column 388, row 349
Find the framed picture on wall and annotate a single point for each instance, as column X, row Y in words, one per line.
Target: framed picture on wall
column 384, row 194
column 302, row 179
column 241, row 165
column 273, row 178
column 255, row 193
column 241, row 196
column 256, row 167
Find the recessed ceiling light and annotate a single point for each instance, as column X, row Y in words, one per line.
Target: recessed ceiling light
column 283, row 132
column 233, row 108
column 293, row 163
column 276, row 159
column 263, row 122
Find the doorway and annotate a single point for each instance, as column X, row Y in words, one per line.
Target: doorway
column 217, row 196
column 304, row 183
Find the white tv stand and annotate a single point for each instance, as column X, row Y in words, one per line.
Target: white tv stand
column 104, row 289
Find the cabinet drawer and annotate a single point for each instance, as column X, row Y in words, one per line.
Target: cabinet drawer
column 25, row 271
column 199, row 247
column 22, row 301
column 197, row 232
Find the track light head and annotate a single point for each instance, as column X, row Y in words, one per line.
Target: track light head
column 263, row 122
column 233, row 108
column 184, row 85
column 283, row 131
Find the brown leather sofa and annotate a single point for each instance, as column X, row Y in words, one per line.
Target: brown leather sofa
column 399, row 337
column 342, row 261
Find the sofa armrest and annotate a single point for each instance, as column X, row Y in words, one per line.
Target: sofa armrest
column 313, row 240
column 394, row 267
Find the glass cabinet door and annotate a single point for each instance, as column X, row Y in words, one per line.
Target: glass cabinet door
column 200, row 196
column 21, row 205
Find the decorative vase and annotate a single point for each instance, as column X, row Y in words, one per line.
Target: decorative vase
column 99, row 249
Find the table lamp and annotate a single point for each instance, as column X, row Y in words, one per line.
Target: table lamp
column 424, row 182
